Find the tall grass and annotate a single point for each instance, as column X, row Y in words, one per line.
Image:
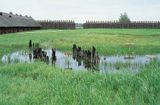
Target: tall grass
column 40, row 84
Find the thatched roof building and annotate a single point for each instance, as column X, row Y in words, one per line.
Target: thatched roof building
column 16, row 23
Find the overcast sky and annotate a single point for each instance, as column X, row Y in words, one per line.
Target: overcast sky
column 81, row 10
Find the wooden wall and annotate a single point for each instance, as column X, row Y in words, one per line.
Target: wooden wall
column 132, row 25
column 57, row 24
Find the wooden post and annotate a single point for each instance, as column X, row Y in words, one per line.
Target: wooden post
column 53, row 56
column 30, row 43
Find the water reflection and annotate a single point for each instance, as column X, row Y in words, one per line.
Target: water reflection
column 67, row 61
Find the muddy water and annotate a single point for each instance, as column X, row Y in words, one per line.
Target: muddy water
column 107, row 63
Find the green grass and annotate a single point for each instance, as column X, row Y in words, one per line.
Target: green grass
column 40, row 84
column 107, row 41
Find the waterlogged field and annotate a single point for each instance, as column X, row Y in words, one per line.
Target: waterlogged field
column 41, row 84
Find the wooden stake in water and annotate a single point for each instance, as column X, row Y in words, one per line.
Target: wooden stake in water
column 30, row 43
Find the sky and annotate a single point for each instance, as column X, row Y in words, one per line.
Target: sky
column 83, row 10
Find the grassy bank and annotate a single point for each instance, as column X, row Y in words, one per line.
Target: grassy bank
column 38, row 84
column 107, row 41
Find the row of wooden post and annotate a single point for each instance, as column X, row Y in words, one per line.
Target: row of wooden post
column 57, row 24
column 89, row 57
column 131, row 25
column 38, row 53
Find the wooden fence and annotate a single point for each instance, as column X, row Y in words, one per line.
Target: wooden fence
column 57, row 24
column 131, row 25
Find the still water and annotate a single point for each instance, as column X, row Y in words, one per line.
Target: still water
column 106, row 63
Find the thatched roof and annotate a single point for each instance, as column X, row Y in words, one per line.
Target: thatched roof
column 14, row 20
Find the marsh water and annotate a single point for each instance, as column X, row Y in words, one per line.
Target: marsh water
column 66, row 61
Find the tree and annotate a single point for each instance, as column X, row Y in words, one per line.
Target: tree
column 124, row 18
